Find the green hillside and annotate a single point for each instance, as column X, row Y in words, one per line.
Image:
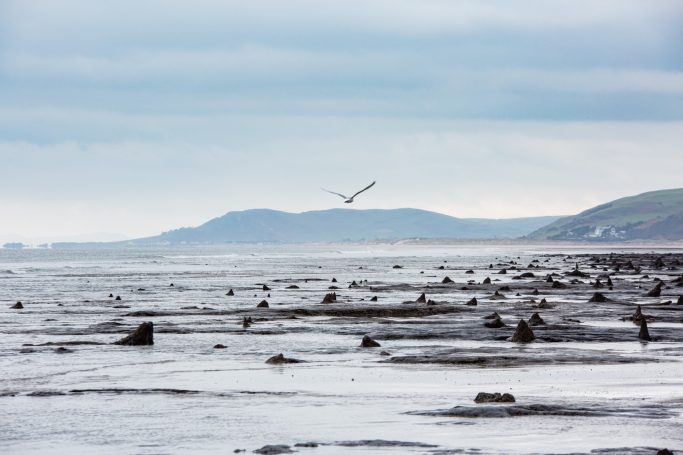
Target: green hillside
column 657, row 215
column 263, row 225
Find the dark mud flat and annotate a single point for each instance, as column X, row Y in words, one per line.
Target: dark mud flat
column 493, row 357
column 382, row 350
column 569, row 410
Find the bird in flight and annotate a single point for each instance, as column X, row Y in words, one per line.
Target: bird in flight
column 347, row 199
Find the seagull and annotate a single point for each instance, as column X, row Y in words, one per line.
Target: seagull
column 347, row 199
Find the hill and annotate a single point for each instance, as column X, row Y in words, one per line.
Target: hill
column 263, row 225
column 657, row 215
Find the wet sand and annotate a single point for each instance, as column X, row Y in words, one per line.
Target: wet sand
column 586, row 384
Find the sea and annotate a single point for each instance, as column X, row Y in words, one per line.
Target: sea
column 66, row 388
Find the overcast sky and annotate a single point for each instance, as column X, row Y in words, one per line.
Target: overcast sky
column 134, row 117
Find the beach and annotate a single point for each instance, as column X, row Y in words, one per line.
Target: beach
column 589, row 382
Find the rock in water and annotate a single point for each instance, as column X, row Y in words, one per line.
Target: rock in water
column 493, row 315
column 219, row 346
column 230, row 293
column 374, row 298
column 655, row 291
column 483, row 397
column 609, row 282
column 368, row 342
column 263, row 304
column 487, row 280
column 545, row 305
column 472, row 302
column 17, row 306
column 598, row 297
column 266, row 288
column 638, row 317
column 330, row 298
column 422, row 298
column 558, row 285
column 246, row 322
column 578, row 273
column 142, row 336
column 665, row 452
column 281, row 359
column 536, row 319
column 446, row 280
column 549, row 279
column 523, row 334
column 496, row 323
column 680, row 300
column 644, row 334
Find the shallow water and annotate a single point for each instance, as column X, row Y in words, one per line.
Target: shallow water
column 183, row 396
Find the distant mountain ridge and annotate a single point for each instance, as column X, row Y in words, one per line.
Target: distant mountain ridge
column 265, row 225
column 656, row 215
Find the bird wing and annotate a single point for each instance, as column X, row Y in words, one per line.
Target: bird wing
column 338, row 194
column 366, row 188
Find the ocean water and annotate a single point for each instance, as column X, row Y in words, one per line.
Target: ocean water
column 183, row 396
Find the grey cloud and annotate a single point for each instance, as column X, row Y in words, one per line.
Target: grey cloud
column 460, row 59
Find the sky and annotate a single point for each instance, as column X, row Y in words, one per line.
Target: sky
column 125, row 119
